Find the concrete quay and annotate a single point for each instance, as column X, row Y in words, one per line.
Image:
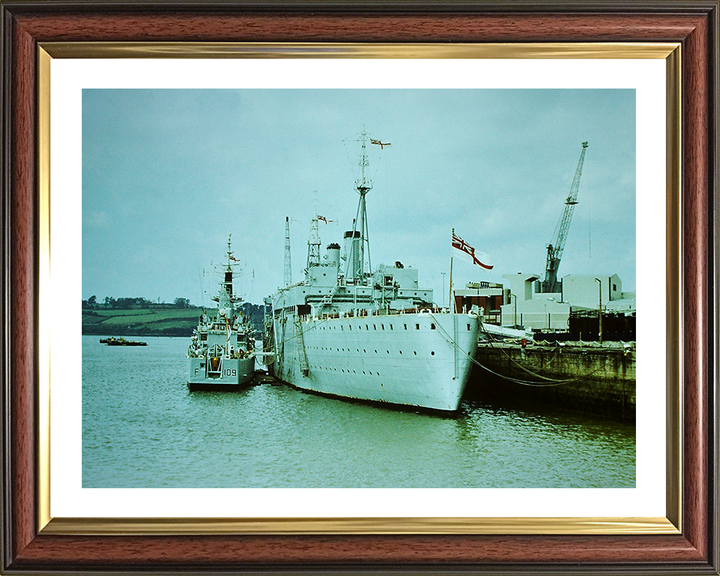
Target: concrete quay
column 579, row 376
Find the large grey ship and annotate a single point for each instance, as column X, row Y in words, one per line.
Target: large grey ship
column 349, row 331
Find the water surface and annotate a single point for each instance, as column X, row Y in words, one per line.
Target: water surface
column 142, row 428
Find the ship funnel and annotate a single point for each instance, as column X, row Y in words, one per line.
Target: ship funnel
column 332, row 255
column 352, row 254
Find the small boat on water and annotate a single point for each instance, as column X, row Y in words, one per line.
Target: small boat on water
column 112, row 341
column 222, row 350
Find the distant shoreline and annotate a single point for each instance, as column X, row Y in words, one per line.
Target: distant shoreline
column 177, row 322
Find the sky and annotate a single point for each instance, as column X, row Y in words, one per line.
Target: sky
column 168, row 174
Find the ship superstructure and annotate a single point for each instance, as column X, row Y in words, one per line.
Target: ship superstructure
column 221, row 352
column 350, row 331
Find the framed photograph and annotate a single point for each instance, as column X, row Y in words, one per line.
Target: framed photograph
column 192, row 173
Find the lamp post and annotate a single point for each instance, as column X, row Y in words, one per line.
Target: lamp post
column 599, row 309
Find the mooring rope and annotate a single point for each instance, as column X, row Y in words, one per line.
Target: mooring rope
column 552, row 382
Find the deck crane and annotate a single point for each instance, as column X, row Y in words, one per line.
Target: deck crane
column 557, row 245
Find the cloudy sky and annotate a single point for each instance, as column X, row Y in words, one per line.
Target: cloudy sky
column 167, row 174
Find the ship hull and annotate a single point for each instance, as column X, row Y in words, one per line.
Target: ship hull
column 420, row 360
column 232, row 374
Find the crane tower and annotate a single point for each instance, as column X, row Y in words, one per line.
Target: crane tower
column 557, row 245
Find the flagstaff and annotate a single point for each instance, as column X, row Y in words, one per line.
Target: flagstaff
column 451, row 302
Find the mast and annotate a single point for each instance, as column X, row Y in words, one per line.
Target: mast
column 358, row 239
column 228, row 283
column 288, row 264
column 359, row 235
column 225, row 297
column 313, row 255
column 363, row 187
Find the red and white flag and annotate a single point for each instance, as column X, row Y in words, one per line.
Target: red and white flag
column 323, row 219
column 470, row 254
column 380, row 143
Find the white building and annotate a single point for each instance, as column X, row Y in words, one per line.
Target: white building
column 537, row 311
column 591, row 291
column 533, row 310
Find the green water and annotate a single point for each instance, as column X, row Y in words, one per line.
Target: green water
column 142, row 428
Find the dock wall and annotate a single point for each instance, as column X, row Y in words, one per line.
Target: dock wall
column 591, row 379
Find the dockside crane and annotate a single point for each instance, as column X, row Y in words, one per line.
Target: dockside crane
column 557, row 245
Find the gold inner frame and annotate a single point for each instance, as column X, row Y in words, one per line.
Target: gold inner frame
column 671, row 524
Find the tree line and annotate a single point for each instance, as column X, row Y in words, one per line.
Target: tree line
column 137, row 303
column 94, row 309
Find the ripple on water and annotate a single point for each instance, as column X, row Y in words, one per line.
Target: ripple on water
column 143, row 428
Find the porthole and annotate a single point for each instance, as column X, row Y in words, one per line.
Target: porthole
column 415, row 353
column 432, row 326
column 417, row 326
column 432, row 353
column 469, row 327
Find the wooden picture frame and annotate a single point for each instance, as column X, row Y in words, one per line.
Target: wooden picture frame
column 31, row 546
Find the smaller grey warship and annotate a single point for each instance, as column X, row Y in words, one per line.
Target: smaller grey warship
column 221, row 354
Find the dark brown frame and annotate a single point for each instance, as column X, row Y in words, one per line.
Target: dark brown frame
column 692, row 23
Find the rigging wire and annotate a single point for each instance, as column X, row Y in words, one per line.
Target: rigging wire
column 550, row 381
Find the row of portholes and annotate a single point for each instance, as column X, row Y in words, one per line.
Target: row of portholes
column 382, row 327
column 348, row 371
column 432, row 353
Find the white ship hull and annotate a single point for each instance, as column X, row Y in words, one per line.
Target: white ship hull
column 420, row 360
column 231, row 373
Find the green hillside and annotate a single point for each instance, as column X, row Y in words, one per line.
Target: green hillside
column 153, row 322
column 140, row 322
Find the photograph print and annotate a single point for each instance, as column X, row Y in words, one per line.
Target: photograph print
column 358, row 288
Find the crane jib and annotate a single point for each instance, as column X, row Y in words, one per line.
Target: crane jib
column 556, row 247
